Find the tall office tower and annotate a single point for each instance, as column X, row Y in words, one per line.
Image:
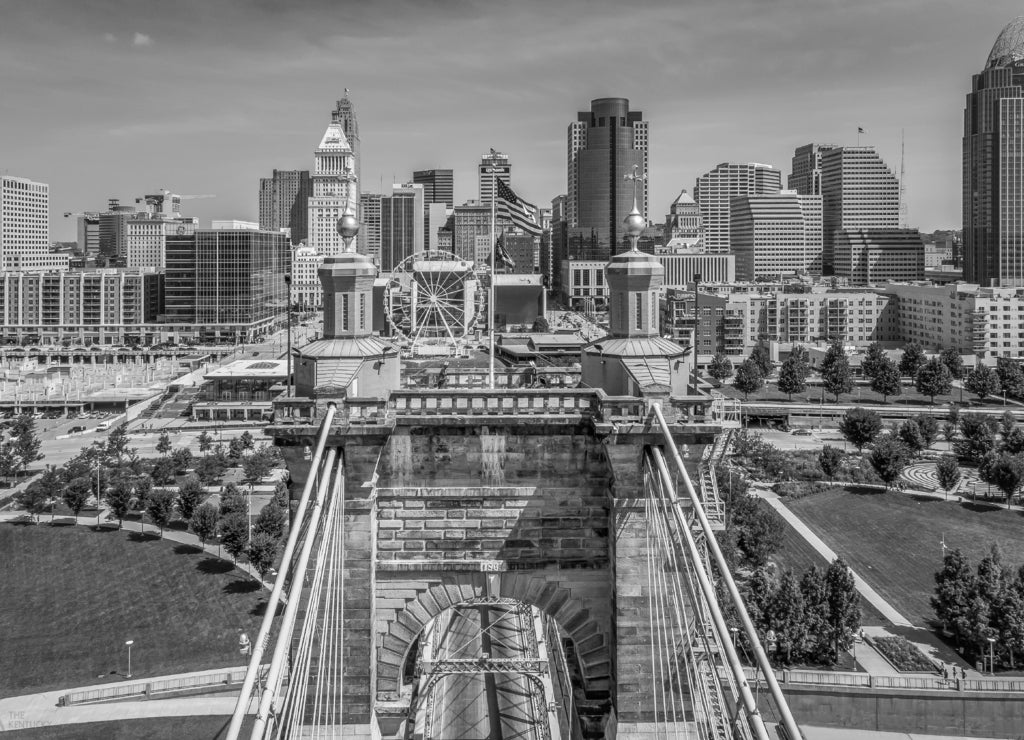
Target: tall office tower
column 715, row 189
column 401, row 224
column 284, row 202
column 993, row 157
column 435, row 216
column 368, row 240
column 88, row 238
column 805, row 177
column 502, row 170
column 605, row 143
column 858, row 191
column 683, row 220
column 146, row 237
column 776, row 234
column 438, row 186
column 25, row 224
column 114, row 230
column 345, row 114
column 335, row 188
column 471, row 232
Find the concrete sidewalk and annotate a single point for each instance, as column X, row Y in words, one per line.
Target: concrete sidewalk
column 41, row 710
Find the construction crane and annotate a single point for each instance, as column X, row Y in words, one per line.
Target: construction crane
column 87, row 214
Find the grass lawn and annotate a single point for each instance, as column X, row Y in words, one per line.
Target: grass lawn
column 70, row 597
column 798, row 555
column 209, row 727
column 893, row 541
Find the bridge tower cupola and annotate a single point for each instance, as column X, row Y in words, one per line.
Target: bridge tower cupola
column 347, row 281
column 634, row 284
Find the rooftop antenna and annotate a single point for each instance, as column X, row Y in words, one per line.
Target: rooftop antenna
column 903, row 189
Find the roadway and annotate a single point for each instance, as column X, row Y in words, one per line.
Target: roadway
column 483, row 706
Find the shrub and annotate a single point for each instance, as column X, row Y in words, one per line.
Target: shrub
column 903, row 654
column 795, row 489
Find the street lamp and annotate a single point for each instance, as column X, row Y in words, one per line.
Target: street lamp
column 129, row 643
column 991, row 656
column 734, row 631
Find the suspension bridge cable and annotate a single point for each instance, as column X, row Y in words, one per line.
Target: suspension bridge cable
column 663, row 619
column 650, row 617
column 788, row 722
column 262, row 638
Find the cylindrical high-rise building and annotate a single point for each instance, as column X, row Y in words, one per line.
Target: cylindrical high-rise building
column 993, row 160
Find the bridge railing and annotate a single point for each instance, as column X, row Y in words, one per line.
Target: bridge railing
column 162, row 686
column 913, row 683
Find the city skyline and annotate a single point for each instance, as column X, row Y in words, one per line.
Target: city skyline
column 880, row 65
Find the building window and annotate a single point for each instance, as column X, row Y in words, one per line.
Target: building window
column 638, row 303
column 362, row 310
column 344, row 313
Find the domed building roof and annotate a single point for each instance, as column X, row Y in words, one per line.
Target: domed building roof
column 1009, row 46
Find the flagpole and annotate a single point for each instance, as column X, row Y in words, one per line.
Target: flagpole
column 490, row 299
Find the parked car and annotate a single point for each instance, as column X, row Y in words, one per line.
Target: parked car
column 802, row 432
column 76, row 429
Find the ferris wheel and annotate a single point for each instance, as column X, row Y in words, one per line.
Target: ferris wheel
column 434, row 303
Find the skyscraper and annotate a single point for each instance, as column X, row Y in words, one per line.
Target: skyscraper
column 502, row 167
column 776, row 234
column 683, row 220
column 345, row 113
column 715, row 190
column 858, row 191
column 438, row 186
column 335, row 188
column 604, row 145
column 805, row 177
column 25, row 225
column 993, row 161
column 284, row 202
column 368, row 239
column 401, row 224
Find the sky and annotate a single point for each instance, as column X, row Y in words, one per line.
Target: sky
column 117, row 98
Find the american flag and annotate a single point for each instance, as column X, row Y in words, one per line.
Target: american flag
column 509, row 205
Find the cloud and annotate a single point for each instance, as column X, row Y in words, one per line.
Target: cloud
column 109, row 38
column 141, row 39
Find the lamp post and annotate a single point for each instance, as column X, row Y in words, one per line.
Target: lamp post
column 98, row 492
column 129, row 643
column 991, row 656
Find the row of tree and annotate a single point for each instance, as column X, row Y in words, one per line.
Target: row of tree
column 976, row 605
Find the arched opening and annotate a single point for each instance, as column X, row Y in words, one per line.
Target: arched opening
column 489, row 667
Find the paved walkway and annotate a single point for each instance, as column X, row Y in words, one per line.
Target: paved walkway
column 41, row 710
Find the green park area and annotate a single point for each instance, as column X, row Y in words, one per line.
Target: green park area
column 71, row 596
column 154, row 728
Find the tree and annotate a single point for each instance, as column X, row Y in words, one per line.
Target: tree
column 190, row 495
column 247, row 441
column 234, row 533
column 1011, row 377
column 205, row 441
column 812, row 588
column 860, row 427
column 204, row 522
column 271, row 520
column 873, row 360
column 762, row 358
column 933, row 379
column 256, row 467
column 912, row 360
column 1008, row 619
column 977, row 437
column 1007, row 474
column 119, row 498
column 983, row 382
column 160, row 507
column 887, row 379
column 117, row 442
column 540, row 325
column 748, row 378
column 182, row 458
column 9, row 463
column 910, row 435
column 929, row 429
column 759, row 591
column 951, row 358
column 949, row 431
column 36, row 497
column 77, row 492
column 759, row 530
column 720, row 368
column 1013, row 443
column 793, row 375
column 830, row 460
column 25, row 443
column 163, row 471
column 835, row 371
column 232, row 501
column 843, row 618
column 947, row 472
column 954, row 585
column 261, row 553
column 1007, row 423
column 787, row 616
column 889, row 456
column 163, row 444
column 210, row 470
column 282, row 496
